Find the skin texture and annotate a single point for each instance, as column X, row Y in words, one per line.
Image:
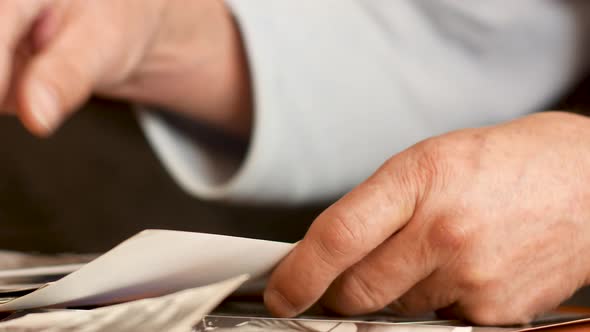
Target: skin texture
column 487, row 224
column 183, row 55
column 490, row 225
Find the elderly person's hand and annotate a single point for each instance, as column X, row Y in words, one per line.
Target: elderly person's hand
column 491, row 224
column 179, row 54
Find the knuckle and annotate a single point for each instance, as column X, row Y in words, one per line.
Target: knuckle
column 440, row 159
column 418, row 170
column 324, row 255
column 477, row 277
column 364, row 295
column 448, row 235
column 430, row 163
column 430, row 154
column 341, row 239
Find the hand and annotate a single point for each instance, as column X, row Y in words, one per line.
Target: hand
column 178, row 54
column 491, row 224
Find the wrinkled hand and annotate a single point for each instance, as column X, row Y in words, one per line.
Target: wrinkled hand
column 492, row 224
column 179, row 54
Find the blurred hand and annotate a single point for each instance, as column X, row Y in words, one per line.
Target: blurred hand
column 490, row 224
column 183, row 55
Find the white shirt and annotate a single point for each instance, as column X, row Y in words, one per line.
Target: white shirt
column 342, row 85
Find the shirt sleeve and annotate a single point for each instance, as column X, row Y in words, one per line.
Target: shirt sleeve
column 341, row 85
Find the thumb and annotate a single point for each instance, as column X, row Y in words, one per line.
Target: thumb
column 61, row 77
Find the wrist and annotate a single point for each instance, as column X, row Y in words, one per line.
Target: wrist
column 196, row 65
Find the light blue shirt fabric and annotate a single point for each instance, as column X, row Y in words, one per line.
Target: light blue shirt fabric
column 342, row 85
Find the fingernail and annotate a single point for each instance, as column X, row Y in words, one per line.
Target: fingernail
column 44, row 106
column 278, row 304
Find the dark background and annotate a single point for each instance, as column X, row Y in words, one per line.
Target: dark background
column 97, row 182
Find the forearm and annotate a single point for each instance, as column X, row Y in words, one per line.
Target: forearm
column 196, row 67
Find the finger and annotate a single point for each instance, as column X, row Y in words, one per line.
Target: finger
column 384, row 275
column 498, row 305
column 432, row 294
column 17, row 19
column 21, row 56
column 47, row 25
column 63, row 75
column 343, row 235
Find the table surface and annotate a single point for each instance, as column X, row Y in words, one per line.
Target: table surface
column 573, row 328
